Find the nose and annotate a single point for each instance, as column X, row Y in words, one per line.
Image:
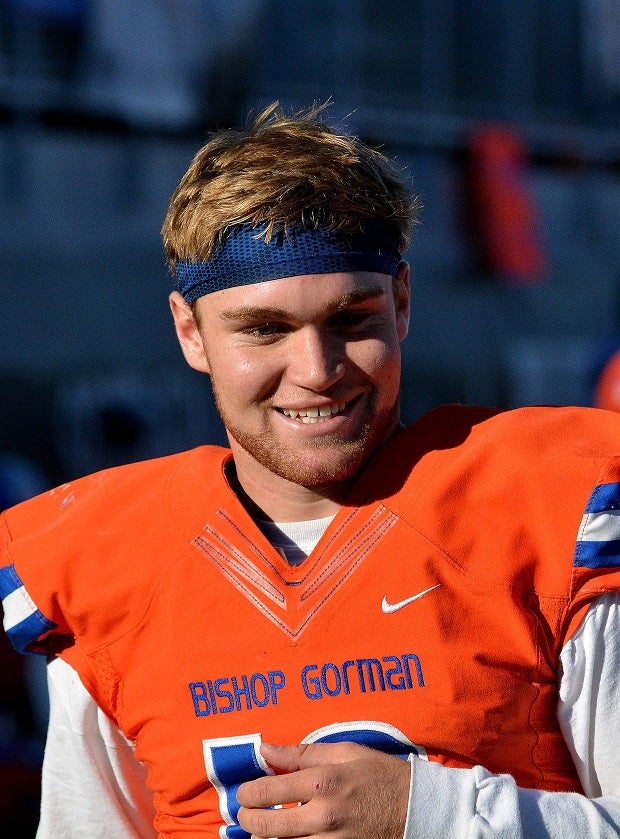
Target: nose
column 316, row 360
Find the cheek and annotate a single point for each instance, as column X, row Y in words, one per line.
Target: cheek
column 377, row 358
column 244, row 369
column 227, row 364
column 383, row 371
column 239, row 376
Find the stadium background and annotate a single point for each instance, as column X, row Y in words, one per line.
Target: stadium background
column 505, row 116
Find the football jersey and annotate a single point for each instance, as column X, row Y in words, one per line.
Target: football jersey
column 427, row 621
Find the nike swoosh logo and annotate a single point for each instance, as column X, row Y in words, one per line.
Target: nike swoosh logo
column 390, row 608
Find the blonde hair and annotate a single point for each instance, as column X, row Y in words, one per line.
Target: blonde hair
column 282, row 172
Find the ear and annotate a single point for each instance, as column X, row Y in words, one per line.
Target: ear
column 403, row 300
column 188, row 333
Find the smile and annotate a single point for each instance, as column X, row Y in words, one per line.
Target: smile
column 312, row 415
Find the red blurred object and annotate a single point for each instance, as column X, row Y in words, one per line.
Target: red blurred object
column 607, row 389
column 505, row 212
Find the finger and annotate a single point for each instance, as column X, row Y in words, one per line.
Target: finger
column 305, row 820
column 273, row 790
column 291, row 758
column 286, row 758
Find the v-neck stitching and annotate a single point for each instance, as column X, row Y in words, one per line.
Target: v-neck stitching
column 290, row 596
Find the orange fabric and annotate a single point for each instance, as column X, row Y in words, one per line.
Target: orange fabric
column 189, row 627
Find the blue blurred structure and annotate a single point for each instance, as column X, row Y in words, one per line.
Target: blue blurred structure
column 87, row 165
column 42, row 37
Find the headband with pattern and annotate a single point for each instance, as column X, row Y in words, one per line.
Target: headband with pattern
column 245, row 258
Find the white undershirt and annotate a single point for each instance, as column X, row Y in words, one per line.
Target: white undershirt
column 295, row 540
column 93, row 788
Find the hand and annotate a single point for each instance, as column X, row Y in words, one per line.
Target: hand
column 346, row 791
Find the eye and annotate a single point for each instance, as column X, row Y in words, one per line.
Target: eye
column 351, row 319
column 265, row 330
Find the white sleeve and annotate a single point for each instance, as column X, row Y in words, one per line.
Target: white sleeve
column 92, row 786
column 447, row 803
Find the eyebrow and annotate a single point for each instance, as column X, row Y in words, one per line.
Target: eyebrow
column 249, row 313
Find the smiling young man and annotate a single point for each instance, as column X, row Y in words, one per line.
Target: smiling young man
column 305, row 372
column 426, row 619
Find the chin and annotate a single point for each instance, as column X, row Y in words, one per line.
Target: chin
column 313, row 477
column 312, row 468
column 323, row 463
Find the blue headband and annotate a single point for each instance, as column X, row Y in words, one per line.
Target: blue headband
column 244, row 258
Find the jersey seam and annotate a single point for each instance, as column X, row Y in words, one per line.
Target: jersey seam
column 467, row 573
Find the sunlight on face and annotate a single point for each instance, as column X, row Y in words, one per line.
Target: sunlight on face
column 305, row 372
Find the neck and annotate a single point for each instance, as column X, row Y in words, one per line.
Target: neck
column 281, row 500
column 267, row 495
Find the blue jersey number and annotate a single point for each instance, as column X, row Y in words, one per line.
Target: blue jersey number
column 230, row 761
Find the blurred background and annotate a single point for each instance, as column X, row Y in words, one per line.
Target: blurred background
column 504, row 118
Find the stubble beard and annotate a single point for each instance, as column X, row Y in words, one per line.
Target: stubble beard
column 347, row 456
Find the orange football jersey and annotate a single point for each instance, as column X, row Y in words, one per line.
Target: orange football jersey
column 428, row 620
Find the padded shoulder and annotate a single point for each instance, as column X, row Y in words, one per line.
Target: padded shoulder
column 504, row 494
column 99, row 545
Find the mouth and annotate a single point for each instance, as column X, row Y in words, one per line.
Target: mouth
column 308, row 416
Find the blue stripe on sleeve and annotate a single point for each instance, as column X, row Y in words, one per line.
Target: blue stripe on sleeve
column 598, row 554
column 28, row 631
column 9, row 581
column 23, row 622
column 604, row 497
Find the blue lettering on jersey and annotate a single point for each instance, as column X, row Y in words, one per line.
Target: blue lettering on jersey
column 246, row 692
column 366, row 675
column 235, row 693
column 230, row 761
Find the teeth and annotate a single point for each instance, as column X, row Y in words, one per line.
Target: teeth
column 312, row 415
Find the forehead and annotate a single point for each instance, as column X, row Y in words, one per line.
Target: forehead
column 306, row 295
